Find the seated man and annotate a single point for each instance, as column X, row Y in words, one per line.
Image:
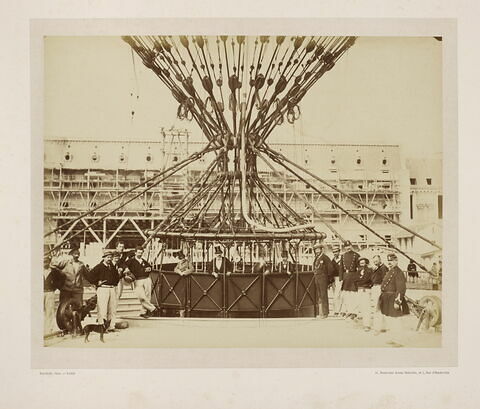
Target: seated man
column 220, row 264
column 184, row 266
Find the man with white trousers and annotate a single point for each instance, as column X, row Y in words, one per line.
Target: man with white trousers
column 141, row 269
column 105, row 276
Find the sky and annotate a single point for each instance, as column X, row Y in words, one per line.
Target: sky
column 384, row 90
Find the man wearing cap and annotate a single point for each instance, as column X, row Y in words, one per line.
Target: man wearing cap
column 184, row 266
column 322, row 268
column 364, row 284
column 105, row 277
column 391, row 303
column 73, row 272
column 336, row 285
column 141, row 269
column 348, row 275
column 285, row 266
column 220, row 264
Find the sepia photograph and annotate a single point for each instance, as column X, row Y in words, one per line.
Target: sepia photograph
column 239, row 204
column 282, row 190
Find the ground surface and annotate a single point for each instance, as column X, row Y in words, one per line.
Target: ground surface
column 238, row 333
column 262, row 333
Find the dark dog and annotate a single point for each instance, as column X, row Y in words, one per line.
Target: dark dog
column 86, row 308
column 80, row 313
column 100, row 328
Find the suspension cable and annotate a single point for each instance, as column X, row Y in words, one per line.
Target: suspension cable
column 119, row 196
column 389, row 244
column 352, row 198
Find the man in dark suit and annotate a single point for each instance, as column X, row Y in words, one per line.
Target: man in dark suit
column 378, row 274
column 348, row 275
column 337, row 284
column 412, row 270
column 285, row 266
column 220, row 264
column 364, row 284
column 323, row 270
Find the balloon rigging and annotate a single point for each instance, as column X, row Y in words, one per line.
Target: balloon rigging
column 238, row 89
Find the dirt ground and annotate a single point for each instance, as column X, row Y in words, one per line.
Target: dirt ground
column 238, row 333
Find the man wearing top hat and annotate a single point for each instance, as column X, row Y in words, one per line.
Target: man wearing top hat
column 105, row 277
column 285, row 266
column 220, row 264
column 323, row 270
column 348, row 275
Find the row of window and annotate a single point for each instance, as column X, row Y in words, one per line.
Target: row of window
column 333, row 161
column 413, row 181
column 122, row 158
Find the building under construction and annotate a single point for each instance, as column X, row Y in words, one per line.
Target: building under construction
column 81, row 174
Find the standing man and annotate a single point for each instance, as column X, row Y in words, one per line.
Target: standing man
column 141, row 269
column 48, row 298
column 121, row 270
column 348, row 276
column 412, row 270
column 285, row 266
column 364, row 284
column 337, row 284
column 73, row 272
column 322, row 268
column 378, row 274
column 105, row 276
column 220, row 264
column 120, row 249
column 391, row 303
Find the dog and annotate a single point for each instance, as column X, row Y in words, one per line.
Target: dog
column 79, row 314
column 88, row 307
column 100, row 328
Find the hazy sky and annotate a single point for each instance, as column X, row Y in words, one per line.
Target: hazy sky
column 384, row 90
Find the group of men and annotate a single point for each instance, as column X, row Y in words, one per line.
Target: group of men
column 109, row 277
column 375, row 295
column 372, row 294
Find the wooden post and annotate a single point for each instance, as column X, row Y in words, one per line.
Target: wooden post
column 104, row 232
